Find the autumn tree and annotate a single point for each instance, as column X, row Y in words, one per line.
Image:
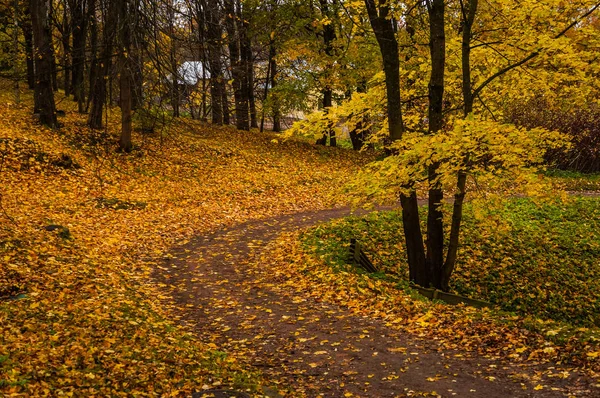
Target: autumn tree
column 383, row 27
column 239, row 71
column 103, row 65
column 43, row 58
column 126, row 12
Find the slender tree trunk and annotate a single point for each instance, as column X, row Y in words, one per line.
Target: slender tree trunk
column 276, row 112
column 266, row 92
column 101, row 75
column 270, row 80
column 42, row 41
column 225, row 102
column 136, row 61
column 328, row 39
column 28, row 36
column 383, row 28
column 79, row 29
column 94, row 62
column 15, row 32
column 201, row 23
column 66, row 43
column 469, row 12
column 52, row 52
column 213, row 41
column 175, row 95
column 435, row 224
column 125, row 75
column 238, row 70
column 248, row 63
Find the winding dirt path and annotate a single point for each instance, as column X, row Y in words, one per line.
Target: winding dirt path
column 311, row 348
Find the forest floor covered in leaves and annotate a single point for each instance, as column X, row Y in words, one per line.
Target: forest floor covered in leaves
column 175, row 268
column 81, row 224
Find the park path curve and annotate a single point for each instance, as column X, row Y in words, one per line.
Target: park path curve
column 310, row 348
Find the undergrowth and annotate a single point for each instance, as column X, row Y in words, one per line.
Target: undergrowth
column 537, row 260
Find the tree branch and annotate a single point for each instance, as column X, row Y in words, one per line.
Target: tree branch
column 532, row 55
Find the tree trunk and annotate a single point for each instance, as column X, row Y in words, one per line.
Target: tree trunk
column 468, row 19
column 225, row 102
column 28, row 36
column 276, row 112
column 328, row 39
column 175, row 95
column 94, row 62
column 238, row 70
column 15, row 55
column 125, row 75
column 52, row 53
column 213, row 41
column 435, row 224
column 200, row 18
column 79, row 29
column 384, row 33
column 248, row 62
column 101, row 74
column 136, row 63
column 42, row 41
column 66, row 43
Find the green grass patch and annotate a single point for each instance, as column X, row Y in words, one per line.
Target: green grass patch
column 575, row 181
column 540, row 260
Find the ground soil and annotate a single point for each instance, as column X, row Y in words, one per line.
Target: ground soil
column 307, row 347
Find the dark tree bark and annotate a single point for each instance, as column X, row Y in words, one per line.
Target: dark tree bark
column 383, row 28
column 103, row 66
column 175, row 95
column 276, row 112
column 328, row 40
column 65, row 31
column 380, row 19
column 125, row 75
column 42, row 41
column 15, row 53
column 435, row 224
column 53, row 63
column 248, row 62
column 200, row 18
column 79, row 28
column 238, row 71
column 28, row 36
column 213, row 41
column 94, row 49
column 225, row 102
column 137, row 60
column 468, row 12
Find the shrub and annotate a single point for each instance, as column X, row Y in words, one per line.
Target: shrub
column 581, row 124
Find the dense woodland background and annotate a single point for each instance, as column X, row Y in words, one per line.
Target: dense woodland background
column 254, row 62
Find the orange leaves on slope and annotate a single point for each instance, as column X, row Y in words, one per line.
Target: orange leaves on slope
column 88, row 321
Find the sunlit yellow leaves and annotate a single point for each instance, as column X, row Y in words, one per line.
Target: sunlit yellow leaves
column 496, row 157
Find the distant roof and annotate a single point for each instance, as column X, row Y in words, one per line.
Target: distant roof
column 190, row 72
